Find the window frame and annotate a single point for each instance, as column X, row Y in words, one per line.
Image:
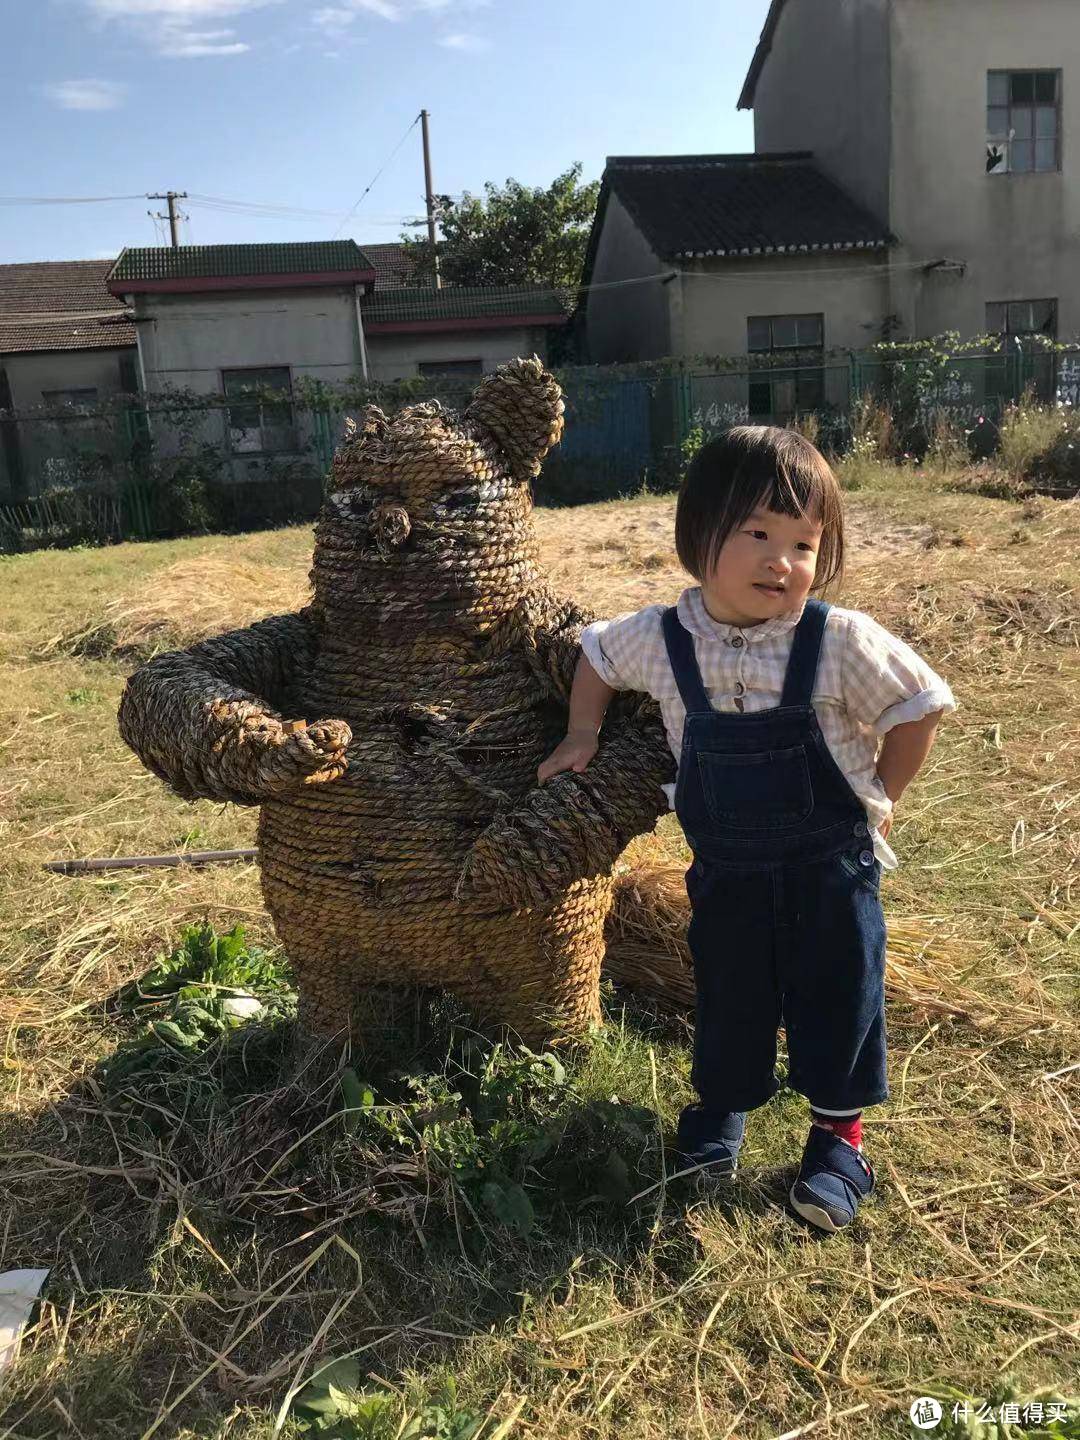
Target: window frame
column 1031, row 108
column 801, row 377
column 292, row 446
column 1008, row 330
column 64, row 398
column 999, row 380
column 425, row 371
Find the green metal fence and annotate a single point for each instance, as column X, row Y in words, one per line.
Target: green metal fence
column 145, row 467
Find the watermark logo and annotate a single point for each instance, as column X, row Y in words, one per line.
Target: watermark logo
column 925, row 1413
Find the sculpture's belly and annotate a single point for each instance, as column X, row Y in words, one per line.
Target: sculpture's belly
column 425, row 776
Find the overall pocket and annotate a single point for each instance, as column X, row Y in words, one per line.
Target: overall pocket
column 759, row 791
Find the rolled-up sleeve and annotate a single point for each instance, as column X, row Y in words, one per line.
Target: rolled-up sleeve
column 618, row 649
column 885, row 682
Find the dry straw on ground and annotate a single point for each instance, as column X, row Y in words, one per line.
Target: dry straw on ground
column 673, row 1317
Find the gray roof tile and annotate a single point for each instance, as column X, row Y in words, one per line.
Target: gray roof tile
column 60, row 305
column 690, row 206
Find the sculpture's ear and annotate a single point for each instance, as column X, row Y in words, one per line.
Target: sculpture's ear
column 521, row 406
column 362, row 442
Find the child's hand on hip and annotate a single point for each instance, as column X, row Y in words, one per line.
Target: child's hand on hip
column 573, row 753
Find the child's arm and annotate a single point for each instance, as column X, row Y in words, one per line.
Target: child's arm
column 589, row 699
column 903, row 752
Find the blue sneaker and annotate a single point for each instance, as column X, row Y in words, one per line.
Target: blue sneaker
column 832, row 1179
column 710, row 1140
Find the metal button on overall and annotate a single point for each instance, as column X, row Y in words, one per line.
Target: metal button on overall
column 866, row 858
column 861, row 828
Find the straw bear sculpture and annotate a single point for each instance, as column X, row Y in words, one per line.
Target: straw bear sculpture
column 402, row 837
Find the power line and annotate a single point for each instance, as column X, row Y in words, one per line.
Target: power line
column 375, row 177
column 65, row 199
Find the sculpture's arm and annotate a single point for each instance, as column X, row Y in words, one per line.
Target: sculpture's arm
column 207, row 721
column 576, row 825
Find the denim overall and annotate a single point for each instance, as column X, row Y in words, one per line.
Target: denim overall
column 787, row 922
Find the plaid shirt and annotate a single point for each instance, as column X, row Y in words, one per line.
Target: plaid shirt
column 867, row 681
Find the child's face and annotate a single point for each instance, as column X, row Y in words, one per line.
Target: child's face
column 764, row 567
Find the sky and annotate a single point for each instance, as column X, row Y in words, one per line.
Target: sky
column 299, row 104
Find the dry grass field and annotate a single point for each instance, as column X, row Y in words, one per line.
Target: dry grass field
column 216, row 1238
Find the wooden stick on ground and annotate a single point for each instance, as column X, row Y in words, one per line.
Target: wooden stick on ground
column 131, row 862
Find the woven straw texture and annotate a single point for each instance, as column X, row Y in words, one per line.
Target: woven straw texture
column 402, row 837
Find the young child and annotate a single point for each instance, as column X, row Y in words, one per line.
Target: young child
column 797, row 727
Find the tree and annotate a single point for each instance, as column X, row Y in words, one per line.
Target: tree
column 514, row 234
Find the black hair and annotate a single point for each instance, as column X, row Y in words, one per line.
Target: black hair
column 748, row 466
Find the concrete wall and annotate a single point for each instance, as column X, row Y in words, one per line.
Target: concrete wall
column 187, row 340
column 399, row 356
column 45, row 447
column 825, row 87
column 1018, row 235
column 630, row 322
column 32, row 374
column 713, row 299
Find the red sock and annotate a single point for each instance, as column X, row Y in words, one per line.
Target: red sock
column 848, row 1127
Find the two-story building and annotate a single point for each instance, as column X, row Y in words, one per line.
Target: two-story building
column 958, row 126
column 914, row 172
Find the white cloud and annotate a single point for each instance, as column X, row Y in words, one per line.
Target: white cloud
column 181, row 12
column 86, row 94
column 472, row 44
column 183, row 44
column 180, row 29
column 333, row 18
column 385, row 9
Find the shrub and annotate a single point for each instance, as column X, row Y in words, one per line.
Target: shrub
column 947, row 449
column 1041, row 444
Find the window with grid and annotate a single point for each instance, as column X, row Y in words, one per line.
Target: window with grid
column 1023, row 121
column 779, row 392
column 260, row 424
column 1012, row 320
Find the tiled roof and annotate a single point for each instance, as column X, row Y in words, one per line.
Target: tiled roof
column 205, row 262
column 81, row 314
column 761, row 54
column 460, row 302
column 695, row 206
column 394, row 266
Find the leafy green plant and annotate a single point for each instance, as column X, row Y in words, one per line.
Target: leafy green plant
column 333, row 1405
column 510, row 1135
column 192, row 997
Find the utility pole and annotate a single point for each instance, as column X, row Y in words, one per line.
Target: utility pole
column 430, row 199
column 171, row 196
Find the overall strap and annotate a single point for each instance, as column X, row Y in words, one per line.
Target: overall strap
column 803, row 661
column 680, row 649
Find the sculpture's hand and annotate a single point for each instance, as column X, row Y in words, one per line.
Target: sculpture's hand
column 573, row 827
column 261, row 755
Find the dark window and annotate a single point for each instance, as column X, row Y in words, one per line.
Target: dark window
column 779, row 392
column 1021, row 317
column 80, row 400
column 1023, row 121
column 261, row 424
column 1017, row 366
column 430, row 368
